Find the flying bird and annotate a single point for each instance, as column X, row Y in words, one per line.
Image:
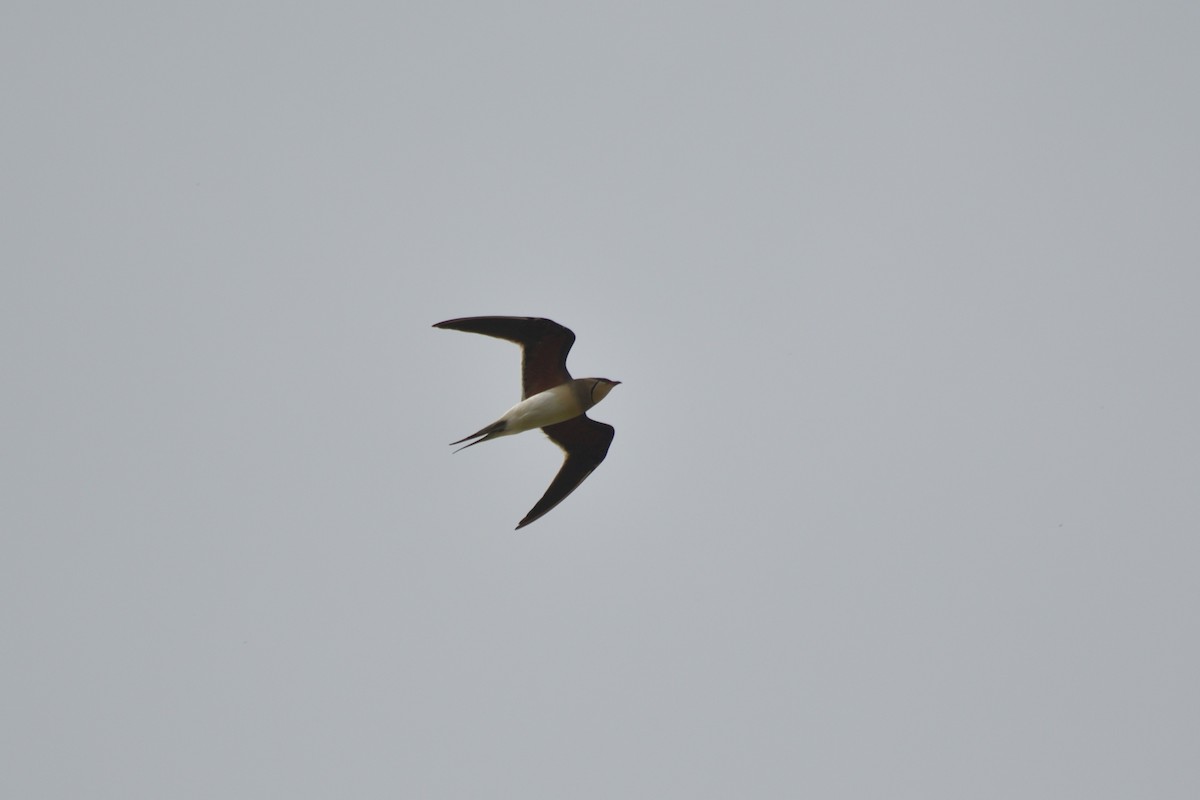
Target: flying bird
column 551, row 400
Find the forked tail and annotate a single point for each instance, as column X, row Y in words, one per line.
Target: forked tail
column 490, row 432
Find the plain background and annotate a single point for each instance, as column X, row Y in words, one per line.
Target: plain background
column 903, row 497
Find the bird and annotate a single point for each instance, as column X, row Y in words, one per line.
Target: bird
column 550, row 399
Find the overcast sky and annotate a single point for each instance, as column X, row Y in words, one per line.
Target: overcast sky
column 903, row 497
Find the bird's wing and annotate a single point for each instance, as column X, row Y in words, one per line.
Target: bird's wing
column 544, row 345
column 586, row 443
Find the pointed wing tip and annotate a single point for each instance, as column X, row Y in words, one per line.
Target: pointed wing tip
column 530, row 518
column 452, row 324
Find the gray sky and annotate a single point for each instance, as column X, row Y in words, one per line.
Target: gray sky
column 903, row 498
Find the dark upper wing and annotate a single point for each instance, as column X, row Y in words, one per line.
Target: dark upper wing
column 586, row 442
column 544, row 344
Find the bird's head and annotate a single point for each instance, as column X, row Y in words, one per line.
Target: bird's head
column 600, row 388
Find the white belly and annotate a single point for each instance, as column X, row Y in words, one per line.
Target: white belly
column 545, row 408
